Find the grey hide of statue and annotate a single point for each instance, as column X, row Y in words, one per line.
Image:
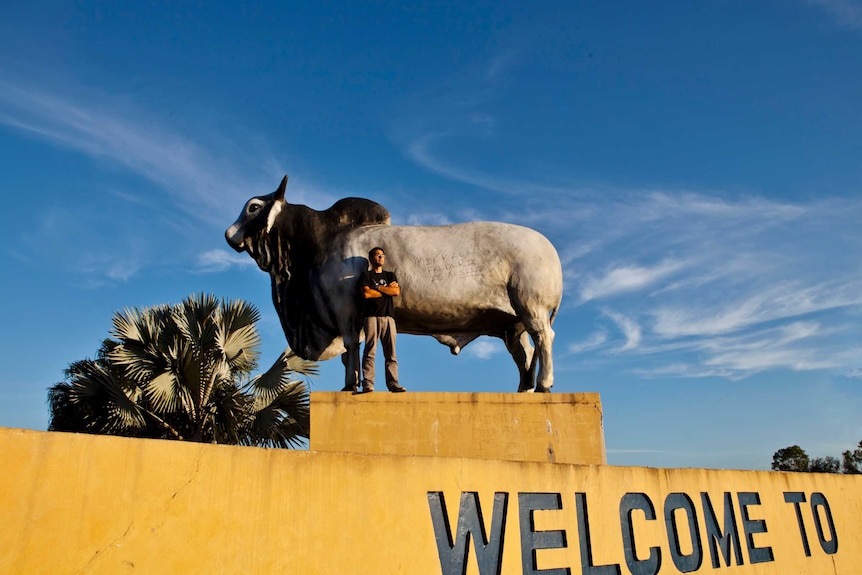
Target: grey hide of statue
column 457, row 281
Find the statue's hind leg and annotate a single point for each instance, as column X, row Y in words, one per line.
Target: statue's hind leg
column 536, row 319
column 538, row 325
column 517, row 341
column 543, row 337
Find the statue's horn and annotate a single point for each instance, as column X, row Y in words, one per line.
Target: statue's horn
column 279, row 193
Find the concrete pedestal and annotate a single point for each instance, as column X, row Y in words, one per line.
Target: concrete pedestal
column 554, row 428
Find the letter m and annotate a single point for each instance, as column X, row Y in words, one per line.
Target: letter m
column 726, row 540
column 453, row 554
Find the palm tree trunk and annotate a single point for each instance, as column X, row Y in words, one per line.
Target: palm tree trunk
column 164, row 424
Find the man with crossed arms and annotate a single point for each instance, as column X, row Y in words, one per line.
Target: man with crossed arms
column 378, row 287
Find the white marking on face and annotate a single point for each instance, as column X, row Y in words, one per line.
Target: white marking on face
column 273, row 213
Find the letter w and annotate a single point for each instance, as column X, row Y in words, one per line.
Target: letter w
column 453, row 555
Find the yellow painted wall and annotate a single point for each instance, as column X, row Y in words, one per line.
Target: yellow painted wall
column 104, row 505
column 555, row 428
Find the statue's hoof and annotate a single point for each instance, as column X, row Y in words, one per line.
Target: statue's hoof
column 525, row 390
column 540, row 389
column 455, row 349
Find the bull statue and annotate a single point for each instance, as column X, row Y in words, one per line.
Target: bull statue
column 457, row 281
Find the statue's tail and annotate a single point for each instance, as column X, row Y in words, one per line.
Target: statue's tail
column 553, row 315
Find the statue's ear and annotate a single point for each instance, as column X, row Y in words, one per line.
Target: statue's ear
column 279, row 193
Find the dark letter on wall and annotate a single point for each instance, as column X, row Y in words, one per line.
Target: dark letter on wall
column 685, row 563
column 725, row 539
column 752, row 526
column 586, row 546
column 819, row 500
column 453, row 555
column 797, row 497
column 531, row 540
column 651, row 564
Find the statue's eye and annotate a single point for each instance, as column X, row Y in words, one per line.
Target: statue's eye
column 252, row 208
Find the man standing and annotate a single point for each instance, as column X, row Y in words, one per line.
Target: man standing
column 378, row 288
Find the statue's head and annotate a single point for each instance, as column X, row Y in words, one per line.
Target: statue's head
column 253, row 230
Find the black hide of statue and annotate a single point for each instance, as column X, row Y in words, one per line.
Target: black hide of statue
column 292, row 252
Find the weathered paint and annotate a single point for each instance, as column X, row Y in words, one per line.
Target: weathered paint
column 104, row 505
column 561, row 428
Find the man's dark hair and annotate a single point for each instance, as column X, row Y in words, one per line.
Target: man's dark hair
column 371, row 252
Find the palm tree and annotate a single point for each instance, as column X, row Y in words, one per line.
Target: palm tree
column 281, row 404
column 182, row 372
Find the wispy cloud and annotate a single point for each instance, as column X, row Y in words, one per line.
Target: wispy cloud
column 595, row 341
column 422, row 151
column 702, row 285
column 783, row 346
column 625, row 279
column 112, row 268
column 846, row 12
column 221, row 260
column 797, row 346
column 783, row 300
column 630, row 328
column 423, row 148
column 484, row 348
column 206, row 174
column 428, row 219
column 198, row 175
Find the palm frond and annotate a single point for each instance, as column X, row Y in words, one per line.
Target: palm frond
column 238, row 337
column 231, row 411
column 296, row 364
column 281, row 404
column 238, row 313
column 105, row 404
column 139, row 362
column 144, row 326
column 282, row 419
column 165, row 394
column 239, row 346
column 196, row 318
column 280, row 372
column 64, row 415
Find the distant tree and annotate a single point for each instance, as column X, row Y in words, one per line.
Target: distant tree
column 183, row 372
column 852, row 460
column 826, row 464
column 791, row 458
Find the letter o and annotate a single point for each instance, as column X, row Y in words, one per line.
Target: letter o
column 819, row 500
column 685, row 563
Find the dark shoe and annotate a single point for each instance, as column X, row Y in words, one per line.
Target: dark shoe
column 395, row 388
column 367, row 387
column 350, row 388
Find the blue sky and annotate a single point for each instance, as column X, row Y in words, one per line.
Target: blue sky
column 696, row 164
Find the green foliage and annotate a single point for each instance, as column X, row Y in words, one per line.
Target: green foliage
column 791, row 458
column 826, row 464
column 794, row 458
column 852, row 460
column 183, row 372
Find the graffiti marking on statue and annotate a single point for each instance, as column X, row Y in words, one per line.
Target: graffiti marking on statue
column 446, row 266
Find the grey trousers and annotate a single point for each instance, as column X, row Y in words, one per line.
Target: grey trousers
column 379, row 329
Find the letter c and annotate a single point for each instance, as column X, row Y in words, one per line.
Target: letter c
column 650, row 565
